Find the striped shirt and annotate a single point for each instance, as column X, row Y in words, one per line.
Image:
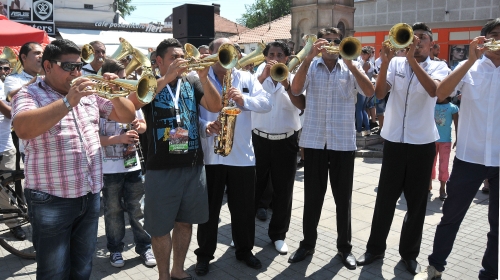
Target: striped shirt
column 66, row 160
column 330, row 101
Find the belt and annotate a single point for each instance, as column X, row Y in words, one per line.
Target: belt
column 273, row 136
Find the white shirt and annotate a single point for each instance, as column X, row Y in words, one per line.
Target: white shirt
column 284, row 116
column 409, row 115
column 478, row 139
column 5, row 127
column 255, row 100
column 112, row 155
column 330, row 101
column 13, row 82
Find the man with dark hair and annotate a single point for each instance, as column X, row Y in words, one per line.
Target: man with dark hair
column 235, row 171
column 99, row 56
column 410, row 132
column 30, row 56
column 274, row 138
column 59, row 116
column 176, row 189
column 203, row 49
column 4, row 71
column 436, row 49
column 329, row 139
column 478, row 152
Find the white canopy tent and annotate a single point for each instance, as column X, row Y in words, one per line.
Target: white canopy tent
column 139, row 40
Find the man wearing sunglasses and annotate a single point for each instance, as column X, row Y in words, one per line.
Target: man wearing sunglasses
column 99, row 56
column 329, row 139
column 59, row 118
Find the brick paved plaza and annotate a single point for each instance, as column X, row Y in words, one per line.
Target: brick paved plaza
column 464, row 262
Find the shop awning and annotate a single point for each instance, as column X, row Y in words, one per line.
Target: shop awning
column 143, row 40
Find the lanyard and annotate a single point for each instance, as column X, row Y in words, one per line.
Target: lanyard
column 176, row 100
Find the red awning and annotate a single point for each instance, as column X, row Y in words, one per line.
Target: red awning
column 16, row 34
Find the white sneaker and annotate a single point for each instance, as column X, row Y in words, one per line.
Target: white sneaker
column 232, row 243
column 281, row 247
column 428, row 274
column 116, row 259
column 148, row 258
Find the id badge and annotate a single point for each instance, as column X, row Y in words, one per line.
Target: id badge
column 179, row 139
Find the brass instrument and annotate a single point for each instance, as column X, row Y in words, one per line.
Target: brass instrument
column 223, row 143
column 227, row 56
column 492, row 45
column 138, row 58
column 256, row 57
column 298, row 58
column 349, row 48
column 145, row 87
column 12, row 57
column 400, row 37
column 87, row 53
column 279, row 72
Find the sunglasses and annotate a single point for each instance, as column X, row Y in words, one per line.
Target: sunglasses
column 69, row 66
column 5, row 68
column 459, row 49
column 336, row 41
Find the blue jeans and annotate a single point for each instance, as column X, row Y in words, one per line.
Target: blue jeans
column 462, row 186
column 129, row 186
column 361, row 115
column 64, row 234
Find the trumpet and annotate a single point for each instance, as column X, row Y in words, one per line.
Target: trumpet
column 400, row 37
column 297, row 59
column 87, row 53
column 256, row 57
column 492, row 45
column 145, row 87
column 227, row 56
column 14, row 62
column 279, row 72
column 349, row 48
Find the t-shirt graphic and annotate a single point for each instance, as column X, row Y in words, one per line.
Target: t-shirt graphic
column 110, row 128
column 443, row 117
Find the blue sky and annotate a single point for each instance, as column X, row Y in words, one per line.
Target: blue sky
column 158, row 10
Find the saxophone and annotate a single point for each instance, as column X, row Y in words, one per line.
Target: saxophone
column 223, row 143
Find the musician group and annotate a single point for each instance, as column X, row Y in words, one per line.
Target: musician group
column 209, row 127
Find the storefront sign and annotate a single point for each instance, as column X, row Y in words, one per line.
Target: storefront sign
column 142, row 27
column 39, row 14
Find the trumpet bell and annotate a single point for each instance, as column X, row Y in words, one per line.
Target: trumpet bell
column 123, row 50
column 279, row 72
column 400, row 36
column 256, row 57
column 297, row 59
column 350, row 48
column 227, row 56
column 87, row 53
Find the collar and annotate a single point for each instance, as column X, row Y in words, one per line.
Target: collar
column 26, row 75
column 43, row 85
column 423, row 64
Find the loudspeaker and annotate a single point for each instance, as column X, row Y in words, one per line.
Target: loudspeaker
column 195, row 41
column 192, row 20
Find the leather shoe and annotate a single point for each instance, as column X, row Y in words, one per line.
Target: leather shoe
column 300, row 255
column 368, row 258
column 412, row 266
column 201, row 268
column 261, row 214
column 18, row 233
column 348, row 260
column 252, row 262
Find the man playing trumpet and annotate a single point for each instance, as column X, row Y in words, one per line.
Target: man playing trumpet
column 99, row 55
column 329, row 138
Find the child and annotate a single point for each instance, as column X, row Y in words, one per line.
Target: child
column 444, row 113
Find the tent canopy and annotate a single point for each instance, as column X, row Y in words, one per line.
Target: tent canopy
column 16, row 34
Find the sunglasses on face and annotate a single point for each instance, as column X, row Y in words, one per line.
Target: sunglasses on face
column 69, row 66
column 336, row 41
column 459, row 49
column 5, row 68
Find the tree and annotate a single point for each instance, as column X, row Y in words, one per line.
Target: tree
column 124, row 7
column 263, row 11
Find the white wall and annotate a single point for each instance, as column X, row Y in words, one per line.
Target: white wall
column 73, row 11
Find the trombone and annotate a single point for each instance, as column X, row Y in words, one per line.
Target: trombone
column 349, row 48
column 227, row 56
column 256, row 57
column 400, row 37
column 145, row 87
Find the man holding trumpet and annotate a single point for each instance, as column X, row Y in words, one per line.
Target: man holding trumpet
column 99, row 55
column 409, row 132
column 58, row 120
column 329, row 138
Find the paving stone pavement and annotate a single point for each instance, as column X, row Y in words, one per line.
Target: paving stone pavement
column 463, row 263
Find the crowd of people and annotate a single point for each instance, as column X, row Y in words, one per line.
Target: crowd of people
column 78, row 146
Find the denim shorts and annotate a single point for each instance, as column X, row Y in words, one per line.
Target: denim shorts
column 175, row 195
column 380, row 107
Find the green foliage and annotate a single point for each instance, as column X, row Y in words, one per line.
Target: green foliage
column 263, row 11
column 125, row 8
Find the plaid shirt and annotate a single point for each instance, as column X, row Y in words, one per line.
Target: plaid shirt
column 330, row 99
column 66, row 160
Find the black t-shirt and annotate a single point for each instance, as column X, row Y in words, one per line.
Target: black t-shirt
column 160, row 118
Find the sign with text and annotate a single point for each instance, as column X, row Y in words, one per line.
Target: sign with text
column 143, row 27
column 47, row 27
column 35, row 13
column 43, row 10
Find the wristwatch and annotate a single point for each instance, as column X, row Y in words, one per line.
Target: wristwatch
column 66, row 102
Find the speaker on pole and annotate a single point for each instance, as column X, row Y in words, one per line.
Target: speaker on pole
column 193, row 21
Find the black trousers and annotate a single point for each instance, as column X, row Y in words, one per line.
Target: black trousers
column 276, row 159
column 318, row 165
column 240, row 182
column 406, row 168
